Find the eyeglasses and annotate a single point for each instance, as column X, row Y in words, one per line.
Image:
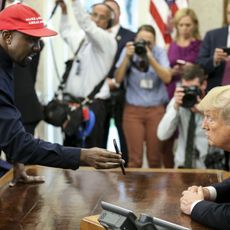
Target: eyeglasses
column 99, row 16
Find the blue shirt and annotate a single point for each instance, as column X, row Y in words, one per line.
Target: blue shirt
column 18, row 145
column 135, row 95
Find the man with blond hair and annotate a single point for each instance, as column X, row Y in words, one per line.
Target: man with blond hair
column 211, row 205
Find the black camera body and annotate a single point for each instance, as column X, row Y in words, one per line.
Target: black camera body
column 190, row 96
column 140, row 48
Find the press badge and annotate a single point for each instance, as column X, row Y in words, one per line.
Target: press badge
column 78, row 67
column 146, row 83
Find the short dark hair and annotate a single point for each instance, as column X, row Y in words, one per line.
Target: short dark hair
column 148, row 28
column 194, row 71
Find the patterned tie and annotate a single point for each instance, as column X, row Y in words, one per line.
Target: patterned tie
column 226, row 75
column 189, row 151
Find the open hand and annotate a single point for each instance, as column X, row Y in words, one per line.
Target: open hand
column 20, row 176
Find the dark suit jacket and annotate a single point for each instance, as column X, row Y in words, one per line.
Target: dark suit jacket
column 213, row 39
column 123, row 36
column 215, row 214
column 26, row 98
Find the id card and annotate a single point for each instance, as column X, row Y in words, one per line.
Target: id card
column 146, row 83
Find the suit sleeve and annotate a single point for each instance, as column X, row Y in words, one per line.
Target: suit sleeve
column 205, row 57
column 211, row 214
column 223, row 190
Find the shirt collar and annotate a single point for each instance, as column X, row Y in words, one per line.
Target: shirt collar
column 115, row 29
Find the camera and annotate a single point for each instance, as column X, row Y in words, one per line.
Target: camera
column 140, row 47
column 190, row 96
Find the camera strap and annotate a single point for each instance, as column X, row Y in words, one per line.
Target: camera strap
column 141, row 64
column 61, row 86
column 68, row 67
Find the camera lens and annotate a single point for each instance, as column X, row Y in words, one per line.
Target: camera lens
column 140, row 47
column 189, row 100
column 190, row 97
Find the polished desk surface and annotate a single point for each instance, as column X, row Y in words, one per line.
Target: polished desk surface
column 68, row 196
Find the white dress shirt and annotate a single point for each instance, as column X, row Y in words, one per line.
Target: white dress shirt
column 174, row 119
column 95, row 57
column 228, row 38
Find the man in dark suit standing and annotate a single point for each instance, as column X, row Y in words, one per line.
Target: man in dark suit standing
column 211, row 205
column 212, row 57
column 116, row 102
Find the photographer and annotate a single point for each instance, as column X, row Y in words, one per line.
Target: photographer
column 145, row 68
column 182, row 114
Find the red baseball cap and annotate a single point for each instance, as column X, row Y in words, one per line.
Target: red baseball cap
column 24, row 19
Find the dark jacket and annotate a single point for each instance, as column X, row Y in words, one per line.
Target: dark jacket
column 123, row 36
column 213, row 39
column 215, row 214
column 26, row 98
column 18, row 145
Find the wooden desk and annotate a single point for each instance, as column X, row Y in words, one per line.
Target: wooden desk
column 68, row 196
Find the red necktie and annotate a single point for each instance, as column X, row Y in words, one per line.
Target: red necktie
column 226, row 76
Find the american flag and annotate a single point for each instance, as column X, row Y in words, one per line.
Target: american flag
column 161, row 14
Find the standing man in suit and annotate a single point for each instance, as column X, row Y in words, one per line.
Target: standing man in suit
column 115, row 104
column 212, row 57
column 211, row 205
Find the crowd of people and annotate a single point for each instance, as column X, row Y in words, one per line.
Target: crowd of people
column 144, row 85
column 156, row 96
column 151, row 92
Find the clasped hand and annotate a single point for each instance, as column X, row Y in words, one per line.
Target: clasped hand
column 191, row 195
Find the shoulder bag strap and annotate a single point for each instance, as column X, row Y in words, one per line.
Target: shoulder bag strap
column 96, row 89
column 65, row 76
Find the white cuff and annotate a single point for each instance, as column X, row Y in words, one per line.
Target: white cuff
column 212, row 192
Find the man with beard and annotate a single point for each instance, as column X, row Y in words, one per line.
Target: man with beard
column 20, row 31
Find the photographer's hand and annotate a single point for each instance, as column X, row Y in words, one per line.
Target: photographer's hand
column 195, row 109
column 62, row 5
column 121, row 70
column 219, row 55
column 149, row 53
column 130, row 49
column 178, row 95
column 163, row 73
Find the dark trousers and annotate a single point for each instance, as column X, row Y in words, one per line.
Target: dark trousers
column 114, row 108
column 95, row 139
column 226, row 156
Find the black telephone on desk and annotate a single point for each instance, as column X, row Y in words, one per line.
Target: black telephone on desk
column 116, row 218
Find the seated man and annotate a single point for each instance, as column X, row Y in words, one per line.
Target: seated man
column 181, row 108
column 211, row 205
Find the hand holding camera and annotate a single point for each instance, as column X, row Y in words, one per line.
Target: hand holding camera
column 187, row 97
column 130, row 49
